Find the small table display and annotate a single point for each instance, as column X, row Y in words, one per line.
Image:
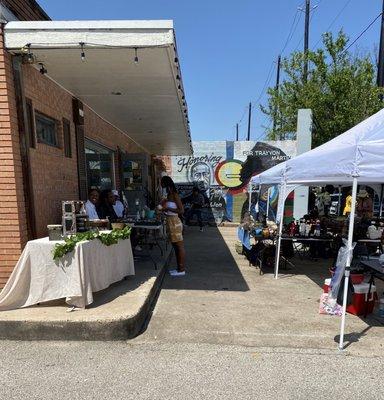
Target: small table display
column 301, row 245
column 92, row 266
column 150, row 230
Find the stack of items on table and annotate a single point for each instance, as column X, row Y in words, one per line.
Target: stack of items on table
column 256, row 241
column 313, row 228
column 362, row 293
column 74, row 220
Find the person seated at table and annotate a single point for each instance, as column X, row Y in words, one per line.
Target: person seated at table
column 92, row 203
column 118, row 206
column 364, row 207
column 105, row 208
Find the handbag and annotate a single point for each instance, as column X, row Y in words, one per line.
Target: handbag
column 350, row 293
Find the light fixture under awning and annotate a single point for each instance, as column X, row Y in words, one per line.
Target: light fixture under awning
column 126, row 71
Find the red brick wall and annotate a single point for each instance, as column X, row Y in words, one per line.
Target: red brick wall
column 54, row 176
column 13, row 229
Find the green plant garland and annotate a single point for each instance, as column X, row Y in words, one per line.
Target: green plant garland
column 61, row 249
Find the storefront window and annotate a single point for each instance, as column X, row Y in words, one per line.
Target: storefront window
column 46, row 129
column 100, row 170
column 133, row 175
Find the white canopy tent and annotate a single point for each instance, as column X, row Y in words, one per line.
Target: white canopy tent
column 355, row 157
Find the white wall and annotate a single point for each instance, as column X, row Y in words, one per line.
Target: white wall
column 304, row 143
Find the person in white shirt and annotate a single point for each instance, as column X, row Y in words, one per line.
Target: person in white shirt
column 118, row 206
column 91, row 203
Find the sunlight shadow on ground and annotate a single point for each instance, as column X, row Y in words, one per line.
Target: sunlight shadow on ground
column 202, row 274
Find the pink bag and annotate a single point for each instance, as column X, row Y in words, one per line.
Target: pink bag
column 329, row 306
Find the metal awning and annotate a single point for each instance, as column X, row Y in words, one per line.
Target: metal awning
column 126, row 71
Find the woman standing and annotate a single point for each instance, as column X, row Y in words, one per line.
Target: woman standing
column 172, row 208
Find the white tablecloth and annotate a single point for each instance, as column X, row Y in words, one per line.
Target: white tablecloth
column 91, row 267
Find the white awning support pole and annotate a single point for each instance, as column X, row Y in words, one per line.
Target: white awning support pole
column 349, row 259
column 268, row 194
column 281, row 222
column 339, row 202
column 381, row 201
column 250, row 197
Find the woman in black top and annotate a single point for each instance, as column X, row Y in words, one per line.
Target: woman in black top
column 105, row 207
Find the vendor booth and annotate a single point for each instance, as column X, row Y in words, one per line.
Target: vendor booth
column 355, row 157
column 125, row 104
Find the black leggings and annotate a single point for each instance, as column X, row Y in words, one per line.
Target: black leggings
column 175, row 247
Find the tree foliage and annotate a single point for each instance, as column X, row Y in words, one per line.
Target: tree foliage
column 340, row 89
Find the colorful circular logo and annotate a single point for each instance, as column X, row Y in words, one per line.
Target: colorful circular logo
column 228, row 173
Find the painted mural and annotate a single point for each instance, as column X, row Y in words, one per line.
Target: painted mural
column 222, row 170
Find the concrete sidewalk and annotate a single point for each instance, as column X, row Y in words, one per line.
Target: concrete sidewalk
column 222, row 300
column 117, row 313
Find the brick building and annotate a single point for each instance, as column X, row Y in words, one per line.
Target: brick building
column 68, row 123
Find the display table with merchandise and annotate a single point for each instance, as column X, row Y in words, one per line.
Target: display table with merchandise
column 91, row 267
column 372, row 245
column 301, row 244
column 376, row 271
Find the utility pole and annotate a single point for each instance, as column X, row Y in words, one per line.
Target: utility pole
column 249, row 122
column 277, row 91
column 380, row 70
column 306, row 37
column 237, row 132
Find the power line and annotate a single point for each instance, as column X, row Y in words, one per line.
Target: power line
column 302, row 37
column 242, row 117
column 335, row 19
column 266, row 83
column 292, row 30
column 268, row 127
column 363, row 32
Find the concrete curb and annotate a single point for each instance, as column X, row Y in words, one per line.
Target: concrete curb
column 116, row 329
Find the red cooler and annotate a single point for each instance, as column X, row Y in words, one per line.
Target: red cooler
column 326, row 285
column 361, row 300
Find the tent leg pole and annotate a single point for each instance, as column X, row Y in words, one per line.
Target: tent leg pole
column 381, row 201
column 249, row 198
column 267, row 212
column 349, row 259
column 277, row 261
column 277, row 258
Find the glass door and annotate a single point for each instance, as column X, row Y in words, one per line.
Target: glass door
column 100, row 166
column 135, row 181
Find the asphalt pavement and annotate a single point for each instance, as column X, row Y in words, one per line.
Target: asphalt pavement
column 120, row 370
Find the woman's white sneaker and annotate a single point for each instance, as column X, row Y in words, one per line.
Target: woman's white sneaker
column 177, row 273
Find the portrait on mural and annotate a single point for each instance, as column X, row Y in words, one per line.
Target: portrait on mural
column 199, row 172
column 201, row 175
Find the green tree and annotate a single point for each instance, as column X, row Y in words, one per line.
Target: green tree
column 341, row 91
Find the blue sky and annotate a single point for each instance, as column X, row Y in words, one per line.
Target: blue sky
column 228, row 48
